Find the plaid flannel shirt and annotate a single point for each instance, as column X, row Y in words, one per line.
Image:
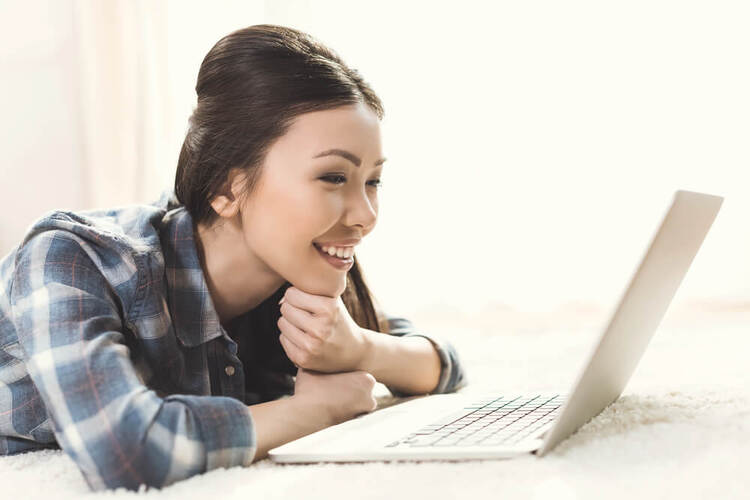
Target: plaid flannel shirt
column 111, row 349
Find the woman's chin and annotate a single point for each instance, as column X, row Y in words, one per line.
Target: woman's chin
column 327, row 288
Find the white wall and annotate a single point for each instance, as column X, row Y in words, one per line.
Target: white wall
column 39, row 137
column 533, row 147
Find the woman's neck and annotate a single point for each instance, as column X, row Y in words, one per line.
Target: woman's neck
column 237, row 279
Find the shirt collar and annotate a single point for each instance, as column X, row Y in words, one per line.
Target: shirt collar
column 193, row 313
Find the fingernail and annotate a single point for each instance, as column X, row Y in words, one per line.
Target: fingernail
column 281, row 301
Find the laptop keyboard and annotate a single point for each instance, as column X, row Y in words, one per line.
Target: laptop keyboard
column 487, row 422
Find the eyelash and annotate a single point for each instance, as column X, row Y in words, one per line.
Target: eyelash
column 328, row 178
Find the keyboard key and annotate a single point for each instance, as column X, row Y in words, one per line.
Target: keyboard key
column 422, row 441
column 450, row 418
column 446, row 442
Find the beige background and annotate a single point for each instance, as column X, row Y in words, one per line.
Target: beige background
column 533, row 146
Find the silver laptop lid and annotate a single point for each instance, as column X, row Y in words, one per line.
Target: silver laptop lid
column 638, row 314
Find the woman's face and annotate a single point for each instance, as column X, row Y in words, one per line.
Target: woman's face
column 309, row 196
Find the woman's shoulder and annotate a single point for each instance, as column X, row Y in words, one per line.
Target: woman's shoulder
column 131, row 227
column 115, row 241
column 123, row 229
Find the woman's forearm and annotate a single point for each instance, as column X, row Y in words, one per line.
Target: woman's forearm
column 408, row 364
column 283, row 420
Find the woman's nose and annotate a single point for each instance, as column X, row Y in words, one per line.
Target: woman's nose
column 361, row 210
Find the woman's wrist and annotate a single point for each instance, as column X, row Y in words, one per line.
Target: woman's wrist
column 408, row 364
column 285, row 419
column 367, row 360
column 312, row 410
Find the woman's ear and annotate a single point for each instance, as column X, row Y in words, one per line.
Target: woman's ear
column 227, row 202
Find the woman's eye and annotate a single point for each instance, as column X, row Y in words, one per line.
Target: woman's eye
column 334, row 179
column 338, row 179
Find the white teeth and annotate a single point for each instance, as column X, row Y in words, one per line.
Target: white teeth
column 340, row 252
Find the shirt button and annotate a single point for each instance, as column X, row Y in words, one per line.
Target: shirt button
column 229, row 370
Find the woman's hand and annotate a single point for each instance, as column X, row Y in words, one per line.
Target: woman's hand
column 317, row 332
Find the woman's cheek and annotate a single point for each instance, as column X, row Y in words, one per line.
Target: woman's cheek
column 324, row 211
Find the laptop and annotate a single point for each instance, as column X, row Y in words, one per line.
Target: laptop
column 458, row 426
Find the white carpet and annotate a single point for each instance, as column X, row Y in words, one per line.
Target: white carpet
column 681, row 429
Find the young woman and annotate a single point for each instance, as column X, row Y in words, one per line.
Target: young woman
column 156, row 342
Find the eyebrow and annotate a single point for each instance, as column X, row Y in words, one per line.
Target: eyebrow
column 346, row 154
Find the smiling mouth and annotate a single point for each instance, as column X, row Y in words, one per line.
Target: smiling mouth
column 346, row 250
column 338, row 262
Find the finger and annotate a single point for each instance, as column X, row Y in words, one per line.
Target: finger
column 314, row 304
column 303, row 320
column 300, row 338
column 292, row 351
column 288, row 350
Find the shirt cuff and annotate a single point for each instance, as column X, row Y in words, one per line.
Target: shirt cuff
column 227, row 429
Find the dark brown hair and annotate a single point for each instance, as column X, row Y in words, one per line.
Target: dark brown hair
column 251, row 85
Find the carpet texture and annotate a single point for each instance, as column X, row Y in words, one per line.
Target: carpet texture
column 681, row 428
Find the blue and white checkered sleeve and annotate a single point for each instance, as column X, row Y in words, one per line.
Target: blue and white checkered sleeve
column 452, row 372
column 117, row 431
